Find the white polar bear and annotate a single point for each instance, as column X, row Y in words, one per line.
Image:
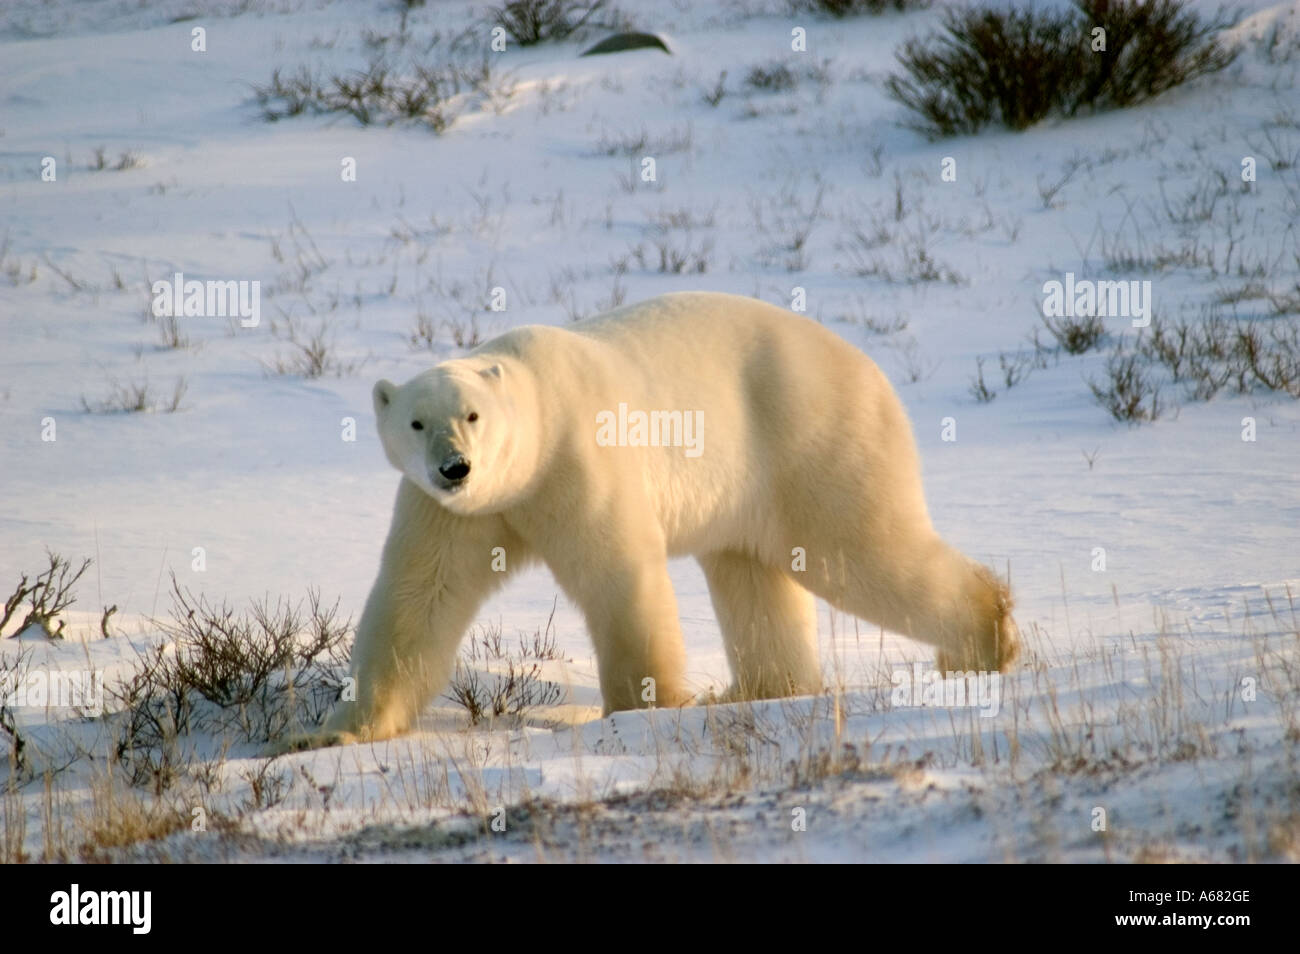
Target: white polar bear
column 706, row 424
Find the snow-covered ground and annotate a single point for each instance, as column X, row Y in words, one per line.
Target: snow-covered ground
column 1161, row 690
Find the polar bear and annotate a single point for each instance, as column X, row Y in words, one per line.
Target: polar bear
column 713, row 425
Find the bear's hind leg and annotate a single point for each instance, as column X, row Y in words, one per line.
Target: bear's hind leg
column 769, row 626
column 929, row 592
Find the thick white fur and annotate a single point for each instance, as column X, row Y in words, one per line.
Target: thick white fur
column 805, row 444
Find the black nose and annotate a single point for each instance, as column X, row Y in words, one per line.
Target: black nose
column 454, row 468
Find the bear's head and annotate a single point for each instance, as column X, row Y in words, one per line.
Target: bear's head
column 457, row 432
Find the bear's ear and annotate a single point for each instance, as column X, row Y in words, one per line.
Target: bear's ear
column 493, row 373
column 383, row 395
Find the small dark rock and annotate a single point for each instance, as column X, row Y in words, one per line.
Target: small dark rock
column 627, row 41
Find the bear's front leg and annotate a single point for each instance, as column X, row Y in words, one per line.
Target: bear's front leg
column 436, row 570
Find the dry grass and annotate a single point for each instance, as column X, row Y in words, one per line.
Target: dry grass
column 513, row 683
column 120, row 818
column 136, row 397
column 1108, row 711
column 311, row 353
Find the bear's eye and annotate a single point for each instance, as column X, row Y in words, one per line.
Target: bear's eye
column 417, row 426
column 472, row 416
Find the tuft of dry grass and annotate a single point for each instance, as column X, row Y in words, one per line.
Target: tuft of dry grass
column 510, row 693
column 136, row 397
column 120, row 818
column 252, row 675
column 312, row 353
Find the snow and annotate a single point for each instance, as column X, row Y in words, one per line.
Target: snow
column 1132, row 698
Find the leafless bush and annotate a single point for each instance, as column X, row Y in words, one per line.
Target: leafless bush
column 860, row 314
column 642, row 143
column 914, row 366
column 465, row 303
column 1078, row 334
column 1215, row 352
column 774, row 77
column 255, row 674
column 312, row 354
column 1016, row 366
column 268, row 783
column 1126, row 390
column 380, row 93
column 13, row 672
column 1020, row 65
column 48, row 595
column 849, row 8
column 425, row 331
column 682, row 218
column 881, row 326
column 512, row 692
column 671, row 255
column 136, row 397
column 787, row 221
column 530, row 22
column 713, row 94
column 127, row 159
column 979, row 388
column 912, row 264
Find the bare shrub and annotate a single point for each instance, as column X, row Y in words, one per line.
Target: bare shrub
column 1214, row 353
column 136, row 397
column 425, row 331
column 1018, row 66
column 381, row 93
column 1127, row 391
column 714, row 94
column 672, row 255
column 915, row 366
column 47, row 596
column 774, row 77
column 787, row 221
column 979, row 388
column 312, row 354
column 530, row 22
column 1016, row 366
column 13, row 672
column 1078, row 334
column 465, row 305
column 510, row 693
column 252, row 675
column 641, row 143
column 850, row 8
